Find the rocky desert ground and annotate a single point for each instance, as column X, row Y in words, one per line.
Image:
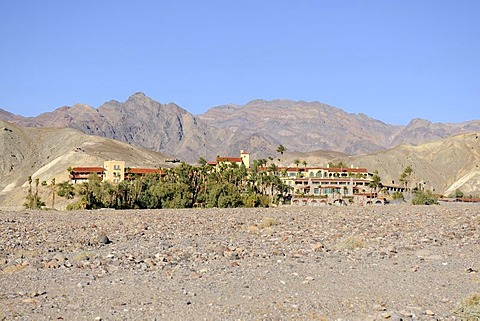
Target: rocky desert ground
column 286, row 263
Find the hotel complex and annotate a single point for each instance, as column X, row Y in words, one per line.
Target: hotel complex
column 306, row 185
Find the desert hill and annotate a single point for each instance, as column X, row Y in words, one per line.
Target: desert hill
column 46, row 153
column 443, row 165
column 259, row 127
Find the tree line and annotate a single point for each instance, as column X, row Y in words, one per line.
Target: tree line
column 185, row 186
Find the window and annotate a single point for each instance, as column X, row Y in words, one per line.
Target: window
column 315, row 191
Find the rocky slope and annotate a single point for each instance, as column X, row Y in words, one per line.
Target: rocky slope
column 309, row 126
column 443, row 165
column 46, row 153
column 310, row 131
column 288, row 263
column 140, row 121
column 259, row 127
column 304, row 126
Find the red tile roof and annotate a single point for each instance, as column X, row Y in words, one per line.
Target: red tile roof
column 347, row 170
column 337, row 170
column 145, row 171
column 86, row 169
column 229, row 159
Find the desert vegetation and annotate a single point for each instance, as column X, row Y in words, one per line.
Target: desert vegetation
column 227, row 186
column 185, row 186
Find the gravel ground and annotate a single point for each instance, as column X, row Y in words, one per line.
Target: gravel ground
column 324, row 263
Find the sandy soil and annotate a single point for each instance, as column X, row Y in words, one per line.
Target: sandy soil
column 353, row 263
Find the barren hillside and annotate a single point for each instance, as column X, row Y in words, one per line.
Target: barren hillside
column 259, row 127
column 304, row 126
column 442, row 165
column 46, row 153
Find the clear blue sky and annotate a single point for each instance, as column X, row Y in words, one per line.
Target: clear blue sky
column 393, row 60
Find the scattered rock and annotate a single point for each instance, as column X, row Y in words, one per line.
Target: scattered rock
column 430, row 313
column 103, row 239
column 296, row 263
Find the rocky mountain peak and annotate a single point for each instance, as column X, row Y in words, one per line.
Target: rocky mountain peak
column 258, row 126
column 138, row 95
column 419, row 122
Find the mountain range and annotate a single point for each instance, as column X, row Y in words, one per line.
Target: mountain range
column 144, row 133
column 259, row 127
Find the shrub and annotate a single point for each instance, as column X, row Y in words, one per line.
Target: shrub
column 268, row 222
column 255, row 200
column 457, row 194
column 398, row 196
column 468, row 309
column 76, row 206
column 65, row 189
column 350, row 243
column 424, row 198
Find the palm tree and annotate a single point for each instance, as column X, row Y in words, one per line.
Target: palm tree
column 272, row 168
column 30, row 198
column 405, row 176
column 375, row 183
column 35, row 198
column 53, row 192
column 296, row 162
column 281, row 149
column 305, row 165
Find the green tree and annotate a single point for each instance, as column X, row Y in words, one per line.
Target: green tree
column 337, row 165
column 29, row 203
column 202, row 161
column 53, row 185
column 272, row 168
column 424, row 198
column 296, row 162
column 375, row 182
column 457, row 194
column 65, row 189
column 398, row 196
column 33, row 201
column 405, row 177
column 281, row 149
